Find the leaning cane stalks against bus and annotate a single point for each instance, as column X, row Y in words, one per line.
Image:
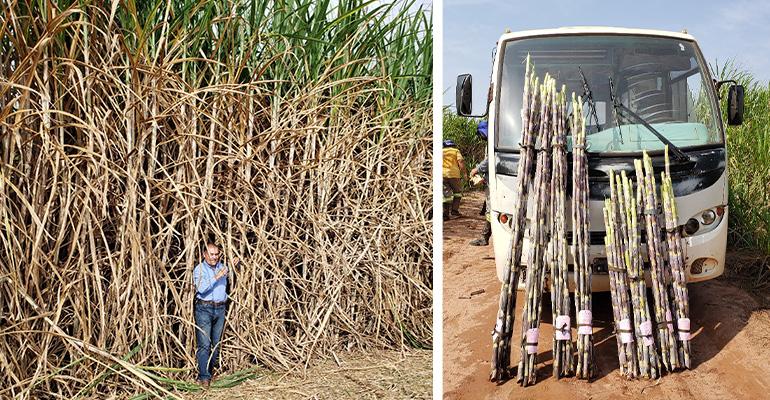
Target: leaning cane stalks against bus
column 678, row 286
column 649, row 362
column 538, row 235
column 580, row 227
column 619, row 291
column 502, row 334
column 560, row 300
column 666, row 340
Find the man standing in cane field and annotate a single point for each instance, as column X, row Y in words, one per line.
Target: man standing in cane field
column 210, row 278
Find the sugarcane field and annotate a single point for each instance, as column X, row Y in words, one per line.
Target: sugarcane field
column 592, row 256
column 216, row 199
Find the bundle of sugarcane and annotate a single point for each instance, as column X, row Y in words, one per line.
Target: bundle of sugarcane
column 676, row 263
column 501, row 336
column 583, row 294
column 666, row 340
column 538, row 234
column 562, row 340
column 621, row 307
column 649, row 363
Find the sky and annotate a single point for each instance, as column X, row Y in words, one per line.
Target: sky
column 725, row 30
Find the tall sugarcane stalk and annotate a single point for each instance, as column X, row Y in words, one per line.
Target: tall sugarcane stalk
column 501, row 336
column 580, row 226
column 645, row 176
column 539, row 234
column 562, row 340
column 678, row 285
column 649, row 363
column 619, row 291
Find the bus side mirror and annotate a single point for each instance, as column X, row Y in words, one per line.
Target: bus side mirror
column 464, row 95
column 735, row 105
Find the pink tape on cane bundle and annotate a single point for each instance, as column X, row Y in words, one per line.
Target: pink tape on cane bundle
column 624, row 328
column 532, row 335
column 684, row 328
column 562, row 327
column 645, row 328
column 669, row 320
column 585, row 321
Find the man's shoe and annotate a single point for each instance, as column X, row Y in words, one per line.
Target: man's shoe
column 455, row 212
column 479, row 242
column 205, row 383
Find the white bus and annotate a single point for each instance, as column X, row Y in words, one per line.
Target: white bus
column 664, row 94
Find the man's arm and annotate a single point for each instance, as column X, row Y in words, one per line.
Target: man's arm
column 461, row 163
column 202, row 284
column 483, row 166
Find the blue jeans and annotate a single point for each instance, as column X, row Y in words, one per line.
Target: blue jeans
column 209, row 321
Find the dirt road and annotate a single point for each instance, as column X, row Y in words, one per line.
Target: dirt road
column 731, row 344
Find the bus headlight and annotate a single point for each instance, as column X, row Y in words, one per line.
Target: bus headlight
column 691, row 226
column 705, row 221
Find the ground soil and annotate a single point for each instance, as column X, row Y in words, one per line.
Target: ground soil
column 374, row 375
column 731, row 335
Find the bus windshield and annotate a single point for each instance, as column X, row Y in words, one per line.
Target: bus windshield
column 659, row 79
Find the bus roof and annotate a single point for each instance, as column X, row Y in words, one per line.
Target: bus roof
column 583, row 30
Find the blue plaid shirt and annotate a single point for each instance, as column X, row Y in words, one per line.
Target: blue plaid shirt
column 207, row 288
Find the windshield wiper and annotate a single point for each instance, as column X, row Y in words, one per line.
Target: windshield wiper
column 588, row 97
column 618, row 105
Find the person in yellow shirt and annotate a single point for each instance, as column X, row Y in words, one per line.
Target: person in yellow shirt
column 453, row 170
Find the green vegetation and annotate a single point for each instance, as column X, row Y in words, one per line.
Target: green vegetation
column 463, row 131
column 748, row 147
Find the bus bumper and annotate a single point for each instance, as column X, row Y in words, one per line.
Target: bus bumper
column 704, row 258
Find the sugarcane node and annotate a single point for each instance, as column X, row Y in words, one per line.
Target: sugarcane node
column 502, row 335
